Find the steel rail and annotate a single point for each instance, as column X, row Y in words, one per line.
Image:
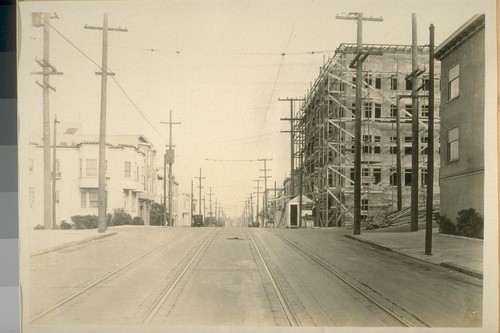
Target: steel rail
column 322, row 261
column 156, row 306
column 291, row 317
column 105, row 277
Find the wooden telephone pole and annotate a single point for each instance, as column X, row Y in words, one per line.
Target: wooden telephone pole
column 43, row 19
column 169, row 158
column 101, row 227
column 358, row 60
column 292, row 131
column 199, row 195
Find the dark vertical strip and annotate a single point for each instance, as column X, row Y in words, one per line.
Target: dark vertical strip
column 9, row 242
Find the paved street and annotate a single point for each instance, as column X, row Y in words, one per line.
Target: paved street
column 243, row 277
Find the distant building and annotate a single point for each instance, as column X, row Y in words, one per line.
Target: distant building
column 326, row 133
column 462, row 118
column 131, row 177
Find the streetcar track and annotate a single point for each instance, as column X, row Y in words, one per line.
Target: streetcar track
column 101, row 280
column 285, row 304
column 170, row 287
column 398, row 316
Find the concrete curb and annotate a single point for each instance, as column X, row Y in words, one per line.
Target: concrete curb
column 65, row 245
column 449, row 265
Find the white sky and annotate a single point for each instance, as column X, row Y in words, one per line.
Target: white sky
column 220, row 84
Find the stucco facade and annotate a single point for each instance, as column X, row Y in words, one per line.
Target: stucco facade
column 462, row 118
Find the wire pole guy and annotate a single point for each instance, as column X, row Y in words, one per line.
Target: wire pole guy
column 169, row 158
column 43, row 19
column 292, row 153
column 357, row 61
column 101, row 227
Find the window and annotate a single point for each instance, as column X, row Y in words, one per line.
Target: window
column 378, row 83
column 394, row 110
column 364, row 204
column 93, row 199
column 407, row 177
column 376, row 149
column 369, row 80
column 453, row 81
column 408, row 85
column 453, row 137
column 408, row 108
column 423, row 177
column 91, row 167
column 394, row 82
column 376, row 138
column 367, row 149
column 408, row 139
column 425, row 84
column 377, row 175
column 408, row 150
column 366, row 138
column 378, row 110
column 368, row 110
column 365, row 172
column 393, row 139
column 393, row 150
column 127, row 169
column 352, row 174
column 394, row 177
column 425, row 111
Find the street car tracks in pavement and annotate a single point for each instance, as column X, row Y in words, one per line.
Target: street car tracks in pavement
column 292, row 309
column 393, row 310
column 180, row 272
column 96, row 284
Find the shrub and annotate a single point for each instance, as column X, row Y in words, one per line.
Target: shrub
column 39, row 227
column 138, row 221
column 120, row 217
column 85, row 221
column 65, row 225
column 446, row 226
column 156, row 214
column 470, row 223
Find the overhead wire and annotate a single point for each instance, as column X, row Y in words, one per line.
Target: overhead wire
column 114, row 79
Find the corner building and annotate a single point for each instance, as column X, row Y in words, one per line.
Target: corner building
column 326, row 139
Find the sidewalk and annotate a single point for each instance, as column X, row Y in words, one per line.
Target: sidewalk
column 44, row 241
column 458, row 253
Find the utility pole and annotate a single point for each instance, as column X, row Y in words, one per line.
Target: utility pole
column 210, row 203
column 54, row 172
column 191, row 206
column 430, row 148
column 101, row 227
column 43, row 19
column 204, row 207
column 199, row 196
column 169, row 158
column 265, row 183
column 358, row 60
column 292, row 152
column 258, row 189
column 414, row 126
column 399, row 180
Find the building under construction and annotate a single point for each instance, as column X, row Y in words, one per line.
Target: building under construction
column 324, row 134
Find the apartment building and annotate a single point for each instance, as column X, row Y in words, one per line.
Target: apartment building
column 462, row 58
column 131, row 178
column 325, row 139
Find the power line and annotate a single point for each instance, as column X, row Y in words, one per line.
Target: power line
column 114, row 79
